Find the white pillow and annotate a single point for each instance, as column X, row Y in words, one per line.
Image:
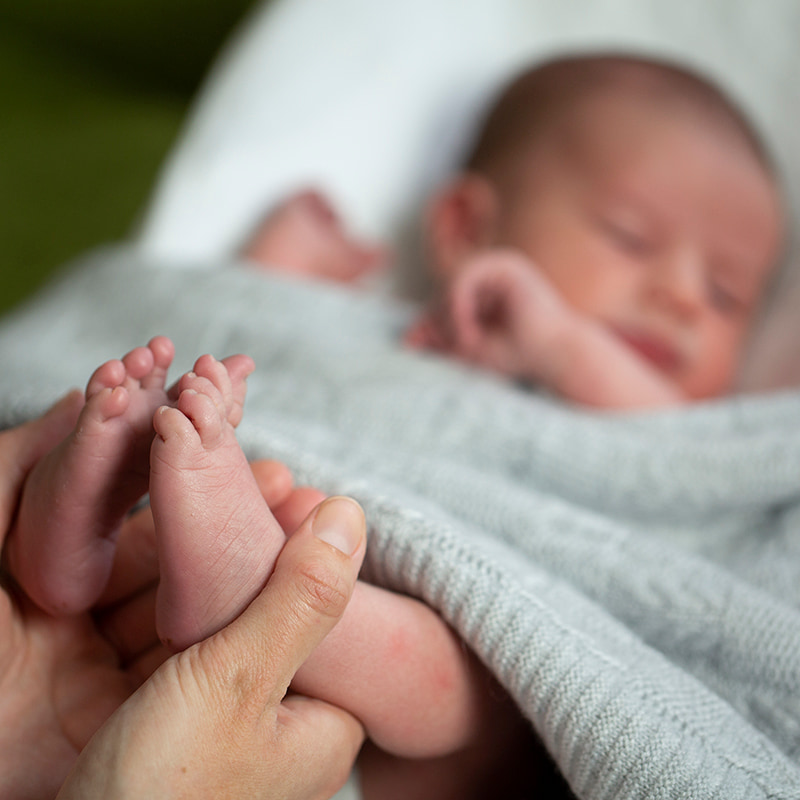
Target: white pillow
column 374, row 100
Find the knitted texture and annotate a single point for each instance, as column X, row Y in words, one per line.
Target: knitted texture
column 630, row 579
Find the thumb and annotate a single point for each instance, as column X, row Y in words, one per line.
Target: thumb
column 304, row 598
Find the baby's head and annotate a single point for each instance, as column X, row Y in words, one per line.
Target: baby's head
column 643, row 195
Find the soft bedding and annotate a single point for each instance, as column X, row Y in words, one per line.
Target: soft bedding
column 631, row 580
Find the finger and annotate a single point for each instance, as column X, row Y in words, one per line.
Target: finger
column 23, row 446
column 429, row 332
column 333, row 736
column 130, row 626
column 464, row 300
column 274, row 480
column 136, row 559
column 302, row 601
column 296, row 507
column 141, row 668
column 417, row 336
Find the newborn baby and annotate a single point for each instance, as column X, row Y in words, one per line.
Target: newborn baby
column 609, row 239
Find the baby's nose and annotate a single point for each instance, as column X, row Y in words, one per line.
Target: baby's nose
column 680, row 280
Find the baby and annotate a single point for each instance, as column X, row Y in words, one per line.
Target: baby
column 609, row 239
column 391, row 661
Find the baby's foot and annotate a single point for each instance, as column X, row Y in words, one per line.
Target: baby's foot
column 77, row 495
column 228, row 375
column 217, row 538
column 305, row 236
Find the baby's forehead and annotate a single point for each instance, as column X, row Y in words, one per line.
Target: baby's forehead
column 629, row 108
column 539, row 100
column 613, row 124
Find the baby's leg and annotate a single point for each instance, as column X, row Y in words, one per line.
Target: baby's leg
column 77, row 495
column 391, row 661
column 217, row 538
column 394, row 664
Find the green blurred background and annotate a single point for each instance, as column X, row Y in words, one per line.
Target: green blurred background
column 94, row 93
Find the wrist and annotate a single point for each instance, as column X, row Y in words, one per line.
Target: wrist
column 551, row 341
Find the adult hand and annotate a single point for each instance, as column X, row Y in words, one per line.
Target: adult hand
column 37, row 654
column 61, row 678
column 215, row 720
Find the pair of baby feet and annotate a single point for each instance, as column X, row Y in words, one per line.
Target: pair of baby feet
column 216, row 536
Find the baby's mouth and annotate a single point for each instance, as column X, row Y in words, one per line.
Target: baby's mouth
column 660, row 353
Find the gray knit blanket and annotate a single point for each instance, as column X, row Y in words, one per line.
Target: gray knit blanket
column 631, row 580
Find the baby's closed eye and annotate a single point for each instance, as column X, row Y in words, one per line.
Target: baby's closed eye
column 627, row 232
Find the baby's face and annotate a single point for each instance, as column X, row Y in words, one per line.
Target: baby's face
column 658, row 225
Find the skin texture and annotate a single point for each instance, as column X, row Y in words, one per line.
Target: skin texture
column 215, row 720
column 61, row 677
column 78, row 494
column 392, row 662
column 217, row 538
column 656, row 227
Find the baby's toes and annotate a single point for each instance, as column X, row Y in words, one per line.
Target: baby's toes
column 104, row 404
column 209, row 368
column 239, row 368
column 106, row 376
column 172, row 424
column 205, row 415
column 193, row 382
column 162, row 351
column 138, row 364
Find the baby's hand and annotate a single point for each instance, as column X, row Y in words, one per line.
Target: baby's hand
column 305, row 236
column 503, row 314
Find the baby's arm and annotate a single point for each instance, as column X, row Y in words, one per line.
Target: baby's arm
column 505, row 315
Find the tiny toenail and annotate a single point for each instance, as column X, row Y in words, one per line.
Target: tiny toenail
column 191, row 374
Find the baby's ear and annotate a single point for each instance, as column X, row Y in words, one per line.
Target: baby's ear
column 461, row 220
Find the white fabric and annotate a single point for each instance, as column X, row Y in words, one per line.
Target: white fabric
column 372, row 98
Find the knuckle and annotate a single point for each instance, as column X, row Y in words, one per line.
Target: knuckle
column 235, row 686
column 322, row 590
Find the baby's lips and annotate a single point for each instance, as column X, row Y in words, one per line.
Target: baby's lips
column 654, row 349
